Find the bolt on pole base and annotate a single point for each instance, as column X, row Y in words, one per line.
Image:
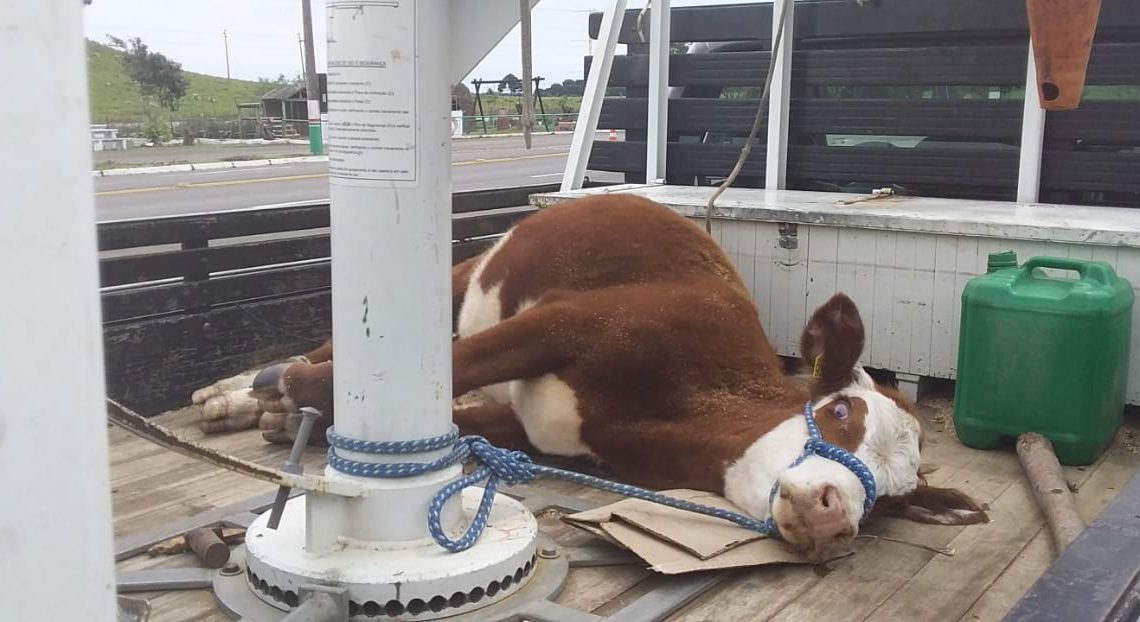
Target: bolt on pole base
column 496, row 593
column 391, row 579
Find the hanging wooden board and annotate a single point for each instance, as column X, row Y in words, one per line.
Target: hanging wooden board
column 1062, row 32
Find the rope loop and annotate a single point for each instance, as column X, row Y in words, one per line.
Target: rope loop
column 498, row 465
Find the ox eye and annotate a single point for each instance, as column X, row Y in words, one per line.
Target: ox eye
column 840, row 411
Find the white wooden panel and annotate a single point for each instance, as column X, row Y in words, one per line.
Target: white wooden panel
column 797, row 291
column 908, row 286
column 743, row 243
column 766, row 239
column 782, row 262
column 728, row 239
column 965, row 268
column 881, row 314
column 863, row 250
column 922, row 310
column 821, row 269
column 947, row 302
column 902, row 301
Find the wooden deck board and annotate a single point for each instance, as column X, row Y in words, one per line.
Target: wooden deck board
column 993, row 566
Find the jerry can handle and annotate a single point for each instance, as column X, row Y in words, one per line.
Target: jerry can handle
column 1096, row 271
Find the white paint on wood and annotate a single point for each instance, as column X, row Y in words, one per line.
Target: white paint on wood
column 1032, row 137
column 657, row 133
column 779, row 97
column 56, row 553
column 1077, row 224
column 945, row 305
column 594, row 93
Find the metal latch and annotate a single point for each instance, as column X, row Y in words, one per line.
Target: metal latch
column 788, row 235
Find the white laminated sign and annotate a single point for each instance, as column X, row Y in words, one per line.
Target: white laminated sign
column 371, row 91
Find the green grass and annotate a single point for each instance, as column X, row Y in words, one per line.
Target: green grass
column 115, row 99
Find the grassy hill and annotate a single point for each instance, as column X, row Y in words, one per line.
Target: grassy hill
column 115, row 99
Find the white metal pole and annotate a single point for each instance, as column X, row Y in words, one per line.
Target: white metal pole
column 658, row 91
column 779, row 99
column 592, row 97
column 1032, row 137
column 390, row 194
column 55, row 518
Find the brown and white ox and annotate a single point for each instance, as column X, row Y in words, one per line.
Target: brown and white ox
column 612, row 328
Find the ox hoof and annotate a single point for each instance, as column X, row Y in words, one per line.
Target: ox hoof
column 267, row 381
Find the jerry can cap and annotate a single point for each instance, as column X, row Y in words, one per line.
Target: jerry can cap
column 1001, row 260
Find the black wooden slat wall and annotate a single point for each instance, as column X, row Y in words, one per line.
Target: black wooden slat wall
column 879, row 20
column 902, row 70
column 188, row 300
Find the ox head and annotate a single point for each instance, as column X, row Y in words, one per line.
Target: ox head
column 821, row 502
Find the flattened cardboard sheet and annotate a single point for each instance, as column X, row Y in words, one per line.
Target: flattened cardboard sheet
column 675, row 541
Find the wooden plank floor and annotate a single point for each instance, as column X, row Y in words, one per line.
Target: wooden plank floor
column 992, row 566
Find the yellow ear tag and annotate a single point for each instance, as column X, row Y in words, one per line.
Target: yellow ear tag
column 817, row 369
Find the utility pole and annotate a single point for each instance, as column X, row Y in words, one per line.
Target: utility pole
column 226, row 41
column 301, row 49
column 316, row 145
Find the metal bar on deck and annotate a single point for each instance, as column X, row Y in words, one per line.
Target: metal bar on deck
column 779, row 99
column 592, row 97
column 658, row 134
column 163, row 579
column 235, row 514
column 669, row 597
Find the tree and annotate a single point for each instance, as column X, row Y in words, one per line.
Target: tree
column 462, row 99
column 156, row 76
column 511, row 82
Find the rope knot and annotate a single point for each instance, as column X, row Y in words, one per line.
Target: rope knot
column 512, row 467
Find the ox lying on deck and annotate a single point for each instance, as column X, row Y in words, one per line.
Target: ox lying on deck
column 612, row 328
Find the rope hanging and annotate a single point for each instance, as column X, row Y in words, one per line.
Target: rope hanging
column 500, row 465
column 746, row 150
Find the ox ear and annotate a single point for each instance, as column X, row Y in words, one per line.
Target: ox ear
column 832, row 342
column 938, row 506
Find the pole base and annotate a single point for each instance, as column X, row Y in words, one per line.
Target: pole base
column 418, row 580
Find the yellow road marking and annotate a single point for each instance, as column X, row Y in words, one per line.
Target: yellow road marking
column 209, row 184
column 236, row 182
column 514, row 159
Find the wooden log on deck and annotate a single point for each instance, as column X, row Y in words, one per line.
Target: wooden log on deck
column 1050, row 488
column 208, row 547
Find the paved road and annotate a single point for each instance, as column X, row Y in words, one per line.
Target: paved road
column 477, row 164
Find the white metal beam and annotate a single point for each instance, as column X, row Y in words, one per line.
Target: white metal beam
column 659, row 30
column 1032, row 137
column 55, row 516
column 592, row 97
column 476, row 27
column 779, row 99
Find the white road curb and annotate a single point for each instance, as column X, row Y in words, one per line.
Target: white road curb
column 205, row 166
column 213, row 166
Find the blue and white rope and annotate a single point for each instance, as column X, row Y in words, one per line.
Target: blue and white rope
column 815, row 445
column 500, row 465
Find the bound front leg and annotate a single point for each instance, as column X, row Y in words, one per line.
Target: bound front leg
column 540, row 340
column 495, row 422
column 282, row 390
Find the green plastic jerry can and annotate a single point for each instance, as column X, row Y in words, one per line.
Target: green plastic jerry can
column 1044, row 353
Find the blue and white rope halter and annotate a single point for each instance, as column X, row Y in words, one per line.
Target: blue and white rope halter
column 515, row 467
